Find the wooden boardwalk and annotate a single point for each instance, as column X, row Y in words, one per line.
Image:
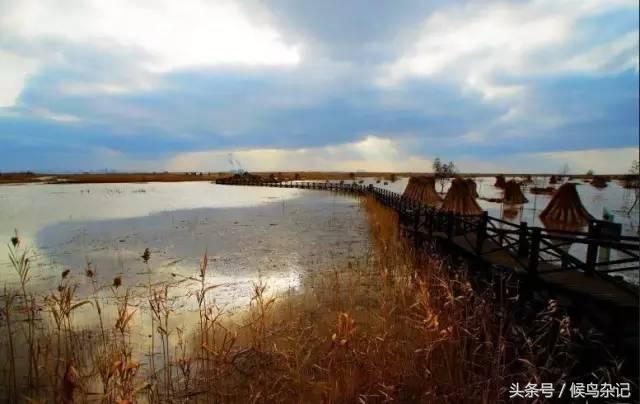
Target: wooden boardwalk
column 571, row 281
column 533, row 253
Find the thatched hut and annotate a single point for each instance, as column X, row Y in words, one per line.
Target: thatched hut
column 239, row 179
column 542, row 190
column 422, row 189
column 599, row 182
column 565, row 210
column 472, row 186
column 500, row 181
column 460, row 200
column 513, row 194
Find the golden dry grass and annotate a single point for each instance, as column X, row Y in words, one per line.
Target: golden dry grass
column 396, row 326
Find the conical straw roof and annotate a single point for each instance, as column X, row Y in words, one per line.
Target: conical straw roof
column 565, row 210
column 500, row 181
column 599, row 182
column 473, row 187
column 422, row 189
column 513, row 194
column 459, row 199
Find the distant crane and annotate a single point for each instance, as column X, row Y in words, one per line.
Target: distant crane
column 236, row 166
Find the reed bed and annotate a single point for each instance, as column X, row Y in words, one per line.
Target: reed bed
column 395, row 326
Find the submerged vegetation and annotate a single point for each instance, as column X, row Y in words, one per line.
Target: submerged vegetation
column 396, row 325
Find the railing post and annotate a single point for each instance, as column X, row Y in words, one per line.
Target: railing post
column 592, row 248
column 534, row 253
column 450, row 225
column 482, row 232
column 523, row 241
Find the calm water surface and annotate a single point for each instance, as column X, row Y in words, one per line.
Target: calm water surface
column 249, row 233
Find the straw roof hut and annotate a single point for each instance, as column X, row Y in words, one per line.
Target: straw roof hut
column 541, row 190
column 244, row 178
column 565, row 210
column 473, row 187
column 513, row 194
column 460, row 200
column 500, row 181
column 422, row 189
column 599, row 181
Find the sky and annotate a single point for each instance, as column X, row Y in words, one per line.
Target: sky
column 334, row 85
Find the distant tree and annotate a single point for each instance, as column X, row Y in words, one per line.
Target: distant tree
column 437, row 166
column 442, row 172
column 451, row 169
column 590, row 173
column 393, row 177
column 352, row 176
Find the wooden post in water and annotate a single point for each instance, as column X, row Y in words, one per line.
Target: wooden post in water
column 592, row 248
column 611, row 231
column 534, row 250
column 523, row 241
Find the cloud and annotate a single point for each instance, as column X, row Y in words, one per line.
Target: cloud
column 601, row 161
column 379, row 153
column 14, row 70
column 46, row 114
column 473, row 82
column 478, row 42
column 164, row 35
column 172, row 34
column 372, row 153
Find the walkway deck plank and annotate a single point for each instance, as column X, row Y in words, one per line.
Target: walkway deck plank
column 570, row 280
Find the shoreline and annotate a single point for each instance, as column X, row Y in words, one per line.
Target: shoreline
column 102, row 178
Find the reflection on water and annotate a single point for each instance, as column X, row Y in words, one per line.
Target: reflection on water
column 29, row 207
column 250, row 234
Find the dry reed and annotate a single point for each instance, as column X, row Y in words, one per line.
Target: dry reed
column 397, row 325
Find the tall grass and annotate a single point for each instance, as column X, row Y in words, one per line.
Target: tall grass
column 397, row 325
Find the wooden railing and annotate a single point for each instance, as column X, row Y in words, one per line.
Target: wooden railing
column 532, row 249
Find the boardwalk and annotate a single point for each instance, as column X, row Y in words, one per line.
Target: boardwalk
column 533, row 253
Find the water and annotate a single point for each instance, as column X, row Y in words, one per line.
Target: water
column 249, row 234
